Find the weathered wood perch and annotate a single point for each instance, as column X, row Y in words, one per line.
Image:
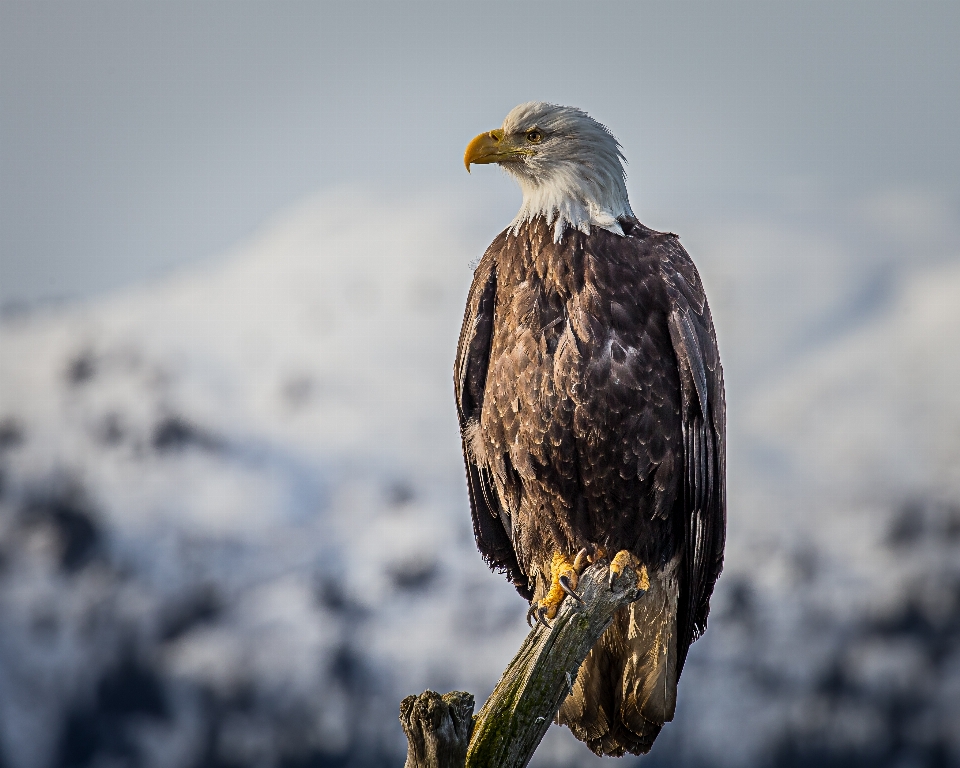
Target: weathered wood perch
column 442, row 731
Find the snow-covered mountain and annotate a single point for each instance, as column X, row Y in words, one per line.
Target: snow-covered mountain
column 234, row 528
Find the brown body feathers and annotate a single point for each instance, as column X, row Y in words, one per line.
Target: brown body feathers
column 591, row 405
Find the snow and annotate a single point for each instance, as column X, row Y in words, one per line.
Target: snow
column 234, row 528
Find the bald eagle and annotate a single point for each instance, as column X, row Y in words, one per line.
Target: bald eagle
column 591, row 404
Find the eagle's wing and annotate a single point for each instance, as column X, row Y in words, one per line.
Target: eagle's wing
column 491, row 523
column 703, row 494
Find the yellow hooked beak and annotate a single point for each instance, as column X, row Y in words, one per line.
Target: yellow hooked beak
column 492, row 147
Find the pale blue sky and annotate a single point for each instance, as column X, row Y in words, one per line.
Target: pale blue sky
column 138, row 136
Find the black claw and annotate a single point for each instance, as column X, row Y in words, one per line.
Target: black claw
column 564, row 583
column 582, row 558
column 530, row 612
column 541, row 617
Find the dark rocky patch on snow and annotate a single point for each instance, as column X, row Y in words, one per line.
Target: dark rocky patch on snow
column 175, row 433
column 66, row 519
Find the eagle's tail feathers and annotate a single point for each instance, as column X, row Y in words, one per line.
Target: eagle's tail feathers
column 627, row 686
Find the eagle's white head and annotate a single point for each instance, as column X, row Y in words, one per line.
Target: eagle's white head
column 569, row 166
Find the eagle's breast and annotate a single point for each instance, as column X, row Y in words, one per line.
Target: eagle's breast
column 579, row 411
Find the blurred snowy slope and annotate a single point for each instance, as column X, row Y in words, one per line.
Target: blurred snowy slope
column 234, row 529
column 272, row 438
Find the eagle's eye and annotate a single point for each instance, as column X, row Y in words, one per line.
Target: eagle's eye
column 534, row 136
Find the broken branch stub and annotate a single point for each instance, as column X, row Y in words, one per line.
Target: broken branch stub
column 438, row 729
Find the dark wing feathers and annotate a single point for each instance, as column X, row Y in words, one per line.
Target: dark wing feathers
column 701, row 506
column 611, row 439
column 689, row 356
column 473, row 355
column 704, row 425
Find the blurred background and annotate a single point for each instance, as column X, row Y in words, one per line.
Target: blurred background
column 235, row 244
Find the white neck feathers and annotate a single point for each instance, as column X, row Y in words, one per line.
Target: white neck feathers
column 569, row 202
column 576, row 179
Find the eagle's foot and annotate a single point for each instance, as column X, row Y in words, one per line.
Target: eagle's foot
column 587, row 556
column 565, row 574
column 624, row 560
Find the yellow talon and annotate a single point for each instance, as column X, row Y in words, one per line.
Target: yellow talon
column 624, row 560
column 561, row 566
column 564, row 577
column 643, row 581
column 586, row 556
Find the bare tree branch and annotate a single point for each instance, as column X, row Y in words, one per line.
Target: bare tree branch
column 509, row 728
